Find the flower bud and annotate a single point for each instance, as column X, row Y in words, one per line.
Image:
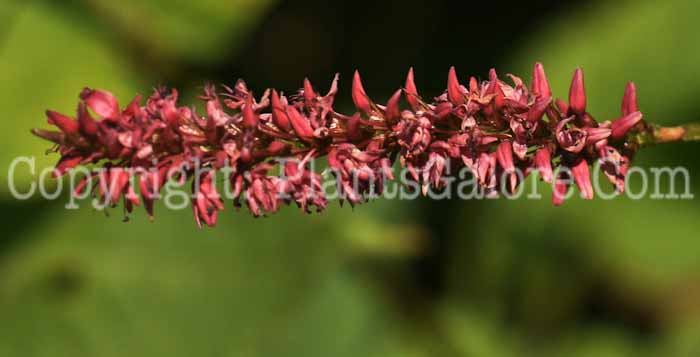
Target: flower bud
column 250, row 119
column 309, row 94
column 621, row 126
column 582, row 177
column 577, row 93
column 543, row 163
column 540, row 86
column 101, row 102
column 359, row 97
column 629, row 101
column 299, row 123
column 87, row 124
column 279, row 117
column 66, row 124
column 597, row 134
column 411, row 91
column 537, row 110
column 454, row 92
column 392, row 107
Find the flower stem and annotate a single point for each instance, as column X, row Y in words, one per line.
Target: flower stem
column 688, row 132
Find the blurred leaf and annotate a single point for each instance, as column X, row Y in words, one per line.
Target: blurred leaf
column 200, row 31
column 476, row 333
column 248, row 287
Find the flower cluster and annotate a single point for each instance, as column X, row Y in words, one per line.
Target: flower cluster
column 494, row 128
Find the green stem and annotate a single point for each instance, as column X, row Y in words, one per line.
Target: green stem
column 688, row 132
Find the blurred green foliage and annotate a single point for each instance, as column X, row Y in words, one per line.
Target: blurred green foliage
column 601, row 278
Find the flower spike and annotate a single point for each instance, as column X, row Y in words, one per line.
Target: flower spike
column 492, row 128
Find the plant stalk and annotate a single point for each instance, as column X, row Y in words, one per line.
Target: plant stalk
column 688, row 132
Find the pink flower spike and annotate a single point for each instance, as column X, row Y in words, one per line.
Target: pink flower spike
column 495, row 128
column 540, row 85
column 582, row 177
column 392, row 106
column 66, row 124
column 250, row 119
column 577, row 93
column 543, row 163
column 629, row 101
column 412, row 91
column 359, row 97
column 454, row 92
column 621, row 126
column 103, row 103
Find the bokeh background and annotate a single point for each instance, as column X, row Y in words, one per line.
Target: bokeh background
column 388, row 278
